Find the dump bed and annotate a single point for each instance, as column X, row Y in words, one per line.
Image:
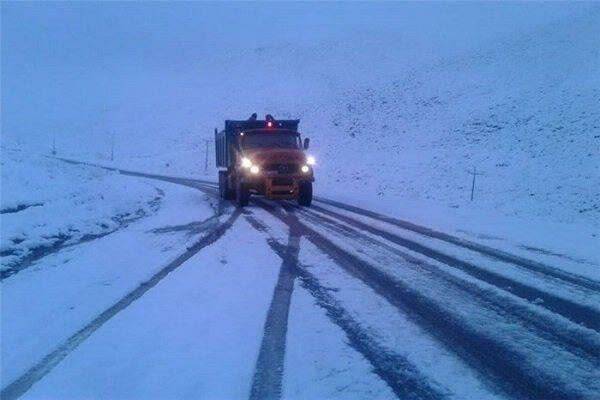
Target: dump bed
column 226, row 141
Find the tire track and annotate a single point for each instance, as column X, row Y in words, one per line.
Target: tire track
column 577, row 313
column 64, row 241
column 400, row 375
column 480, row 248
column 499, row 365
column 268, row 374
column 493, row 359
column 22, row 384
column 577, row 340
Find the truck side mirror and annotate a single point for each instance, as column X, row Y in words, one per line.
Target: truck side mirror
column 306, row 143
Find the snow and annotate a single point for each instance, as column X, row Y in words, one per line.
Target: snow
column 510, row 236
column 402, row 101
column 73, row 286
column 47, row 205
column 396, row 331
column 198, row 332
column 478, row 308
column 572, row 246
column 319, row 363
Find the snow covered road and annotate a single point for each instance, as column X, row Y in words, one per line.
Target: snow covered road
column 277, row 301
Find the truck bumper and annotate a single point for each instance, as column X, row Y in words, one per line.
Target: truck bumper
column 276, row 187
column 277, row 190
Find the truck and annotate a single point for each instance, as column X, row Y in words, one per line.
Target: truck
column 264, row 157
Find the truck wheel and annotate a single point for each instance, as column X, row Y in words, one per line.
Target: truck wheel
column 224, row 191
column 229, row 194
column 223, row 185
column 242, row 195
column 305, row 194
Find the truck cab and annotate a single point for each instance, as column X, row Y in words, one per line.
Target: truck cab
column 264, row 157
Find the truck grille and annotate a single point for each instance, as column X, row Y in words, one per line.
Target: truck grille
column 282, row 181
column 282, row 168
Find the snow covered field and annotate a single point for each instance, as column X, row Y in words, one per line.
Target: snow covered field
column 128, row 278
column 47, row 206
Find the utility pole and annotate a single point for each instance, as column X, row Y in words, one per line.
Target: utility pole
column 474, row 173
column 206, row 142
column 112, row 146
column 54, row 145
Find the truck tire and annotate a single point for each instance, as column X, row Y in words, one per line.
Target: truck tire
column 223, row 185
column 229, row 193
column 305, row 194
column 225, row 191
column 242, row 195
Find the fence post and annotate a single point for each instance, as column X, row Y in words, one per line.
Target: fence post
column 206, row 142
column 474, row 173
column 112, row 146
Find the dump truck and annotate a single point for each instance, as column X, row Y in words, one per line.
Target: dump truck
column 263, row 157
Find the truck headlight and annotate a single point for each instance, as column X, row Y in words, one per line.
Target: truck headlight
column 246, row 163
column 254, row 169
column 305, row 169
column 310, row 160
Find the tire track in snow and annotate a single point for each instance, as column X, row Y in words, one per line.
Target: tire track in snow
column 526, row 385
column 479, row 350
column 400, row 375
column 580, row 314
column 480, row 248
column 191, row 182
column 63, row 241
column 268, row 374
column 498, row 365
column 579, row 341
column 22, row 384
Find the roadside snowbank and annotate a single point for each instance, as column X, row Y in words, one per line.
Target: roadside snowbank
column 47, row 204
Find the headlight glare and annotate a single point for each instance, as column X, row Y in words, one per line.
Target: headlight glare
column 305, row 168
column 310, row 160
column 246, row 163
column 254, row 169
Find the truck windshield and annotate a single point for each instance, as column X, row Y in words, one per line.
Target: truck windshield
column 277, row 140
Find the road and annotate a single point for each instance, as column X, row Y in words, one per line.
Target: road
column 333, row 301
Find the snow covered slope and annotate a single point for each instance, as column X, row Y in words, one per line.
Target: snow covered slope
column 524, row 112
column 47, row 205
column 401, row 100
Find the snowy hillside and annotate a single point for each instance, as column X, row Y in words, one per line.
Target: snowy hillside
column 524, row 113
column 47, row 206
column 401, row 101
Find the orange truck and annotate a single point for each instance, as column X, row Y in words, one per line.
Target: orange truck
column 264, row 157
